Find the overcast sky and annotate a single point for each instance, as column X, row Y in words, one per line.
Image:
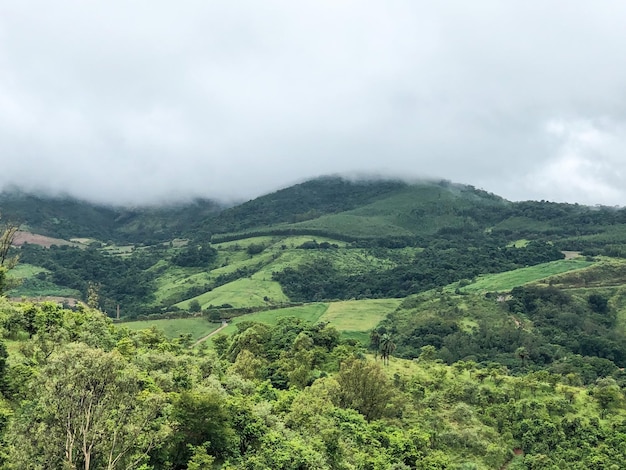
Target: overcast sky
column 137, row 101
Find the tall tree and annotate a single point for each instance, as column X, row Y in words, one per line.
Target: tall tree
column 364, row 386
column 88, row 410
column 387, row 347
column 7, row 234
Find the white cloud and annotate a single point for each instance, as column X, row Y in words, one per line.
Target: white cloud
column 588, row 165
column 144, row 100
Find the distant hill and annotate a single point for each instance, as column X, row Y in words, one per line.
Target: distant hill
column 321, row 240
column 302, row 202
column 66, row 217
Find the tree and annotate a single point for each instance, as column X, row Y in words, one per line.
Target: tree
column 363, row 386
column 93, row 295
column 387, row 347
column 88, row 410
column 201, row 427
column 194, row 306
column 7, row 235
column 607, row 393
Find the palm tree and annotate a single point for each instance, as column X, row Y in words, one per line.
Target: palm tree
column 387, row 346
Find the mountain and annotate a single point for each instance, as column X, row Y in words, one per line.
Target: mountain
column 324, row 239
column 66, row 217
column 506, row 323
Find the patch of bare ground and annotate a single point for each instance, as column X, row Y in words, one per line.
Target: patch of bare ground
column 22, row 237
column 516, row 453
column 571, row 254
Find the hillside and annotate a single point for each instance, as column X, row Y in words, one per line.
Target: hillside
column 331, row 325
column 65, row 218
column 325, row 239
column 289, row 395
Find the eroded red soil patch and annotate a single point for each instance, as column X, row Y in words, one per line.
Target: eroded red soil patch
column 27, row 237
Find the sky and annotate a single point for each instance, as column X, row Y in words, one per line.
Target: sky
column 150, row 101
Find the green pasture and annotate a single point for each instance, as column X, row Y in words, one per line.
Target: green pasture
column 521, row 243
column 245, row 292
column 310, row 313
column 607, row 272
column 359, row 315
column 354, row 318
column 23, row 271
column 31, row 286
column 518, row 277
column 244, row 243
column 295, row 241
column 174, row 280
column 198, row 327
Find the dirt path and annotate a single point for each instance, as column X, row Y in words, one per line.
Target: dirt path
column 204, row 338
column 516, row 453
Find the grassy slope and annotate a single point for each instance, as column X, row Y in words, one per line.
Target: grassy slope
column 279, row 253
column 416, row 209
column 31, row 286
column 508, row 280
column 356, row 318
column 309, row 313
column 172, row 328
column 245, row 292
column 353, row 318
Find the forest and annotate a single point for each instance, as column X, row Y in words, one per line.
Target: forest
column 80, row 392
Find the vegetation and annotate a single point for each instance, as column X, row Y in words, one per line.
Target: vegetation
column 7, row 262
column 371, row 325
column 195, row 328
column 80, row 392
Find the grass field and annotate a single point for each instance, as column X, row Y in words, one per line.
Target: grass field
column 172, row 328
column 22, row 271
column 253, row 290
column 31, row 286
column 518, row 277
column 353, row 318
column 359, row 315
column 245, row 292
column 310, row 313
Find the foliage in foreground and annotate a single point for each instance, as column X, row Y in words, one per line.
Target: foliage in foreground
column 81, row 393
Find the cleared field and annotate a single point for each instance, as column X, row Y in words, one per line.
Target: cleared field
column 518, row 277
column 309, row 313
column 31, row 286
column 244, row 292
column 22, row 271
column 172, row 328
column 359, row 315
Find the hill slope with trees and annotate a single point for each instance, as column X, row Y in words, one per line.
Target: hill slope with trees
column 489, row 349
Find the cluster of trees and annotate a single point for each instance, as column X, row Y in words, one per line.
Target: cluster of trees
column 538, row 327
column 195, row 255
column 446, row 262
column 123, row 280
column 79, row 392
column 7, row 260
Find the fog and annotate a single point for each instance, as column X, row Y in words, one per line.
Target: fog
column 150, row 101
